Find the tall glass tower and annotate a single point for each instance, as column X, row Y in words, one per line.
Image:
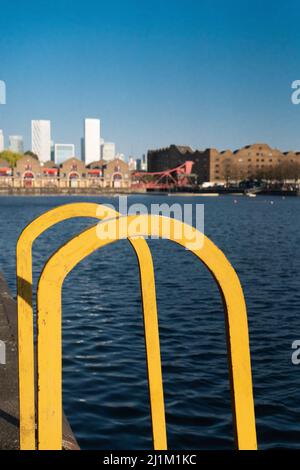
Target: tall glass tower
column 16, row 143
column 91, row 140
column 41, row 139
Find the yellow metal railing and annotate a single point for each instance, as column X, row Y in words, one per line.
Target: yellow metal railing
column 49, row 326
column 26, row 322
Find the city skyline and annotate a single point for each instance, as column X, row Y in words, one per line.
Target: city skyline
column 180, row 72
column 93, row 147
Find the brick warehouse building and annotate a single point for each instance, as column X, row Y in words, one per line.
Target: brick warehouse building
column 176, row 155
column 30, row 173
column 217, row 167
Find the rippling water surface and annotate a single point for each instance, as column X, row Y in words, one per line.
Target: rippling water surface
column 104, row 371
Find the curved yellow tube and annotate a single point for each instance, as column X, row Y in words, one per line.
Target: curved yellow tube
column 49, row 323
column 25, row 320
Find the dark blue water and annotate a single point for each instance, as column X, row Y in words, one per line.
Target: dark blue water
column 105, row 383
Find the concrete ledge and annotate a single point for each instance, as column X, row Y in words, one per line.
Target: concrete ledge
column 9, row 392
column 5, row 191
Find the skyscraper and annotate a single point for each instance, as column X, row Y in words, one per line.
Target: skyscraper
column 91, row 140
column 16, row 143
column 144, row 163
column 63, row 152
column 41, row 139
column 52, row 151
column 1, row 141
column 108, row 151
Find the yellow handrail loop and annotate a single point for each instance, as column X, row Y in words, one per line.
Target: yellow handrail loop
column 49, row 325
column 26, row 322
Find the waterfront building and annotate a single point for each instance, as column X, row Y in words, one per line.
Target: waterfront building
column 113, row 174
column 223, row 167
column 16, row 143
column 1, row 141
column 49, row 175
column 117, row 175
column 6, row 173
column 63, row 152
column 92, row 138
column 41, row 139
column 108, row 151
column 95, row 174
column 73, row 174
column 245, row 163
column 291, row 156
column 175, row 155
column 27, row 173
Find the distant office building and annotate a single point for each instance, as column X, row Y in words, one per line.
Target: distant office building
column 91, row 140
column 132, row 164
column 138, row 164
column 1, row 141
column 144, row 163
column 108, row 151
column 41, row 139
column 82, row 149
column 16, row 143
column 63, row 152
column 52, row 151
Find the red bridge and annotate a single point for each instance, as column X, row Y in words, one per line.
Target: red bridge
column 179, row 177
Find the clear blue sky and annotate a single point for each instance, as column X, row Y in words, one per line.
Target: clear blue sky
column 208, row 73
